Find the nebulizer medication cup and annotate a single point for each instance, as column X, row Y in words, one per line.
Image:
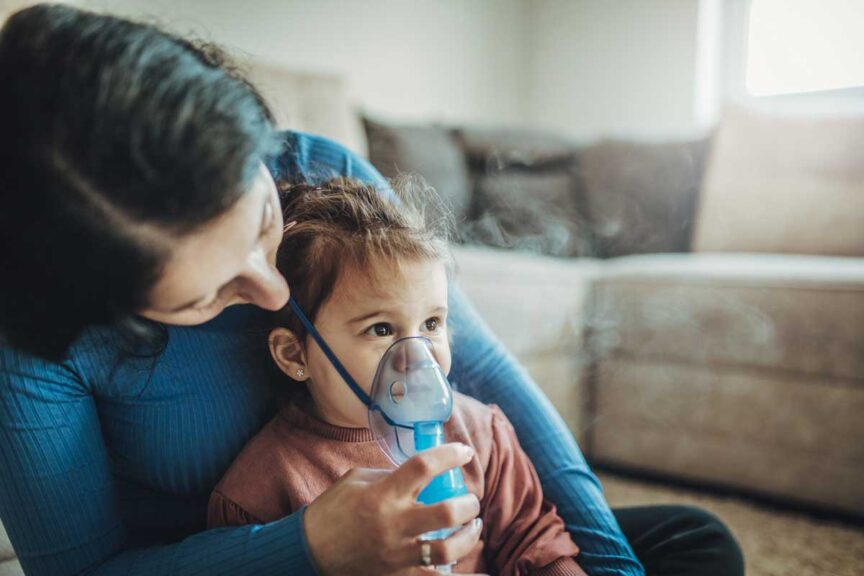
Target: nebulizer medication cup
column 410, row 401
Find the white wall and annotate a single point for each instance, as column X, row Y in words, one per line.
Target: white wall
column 622, row 68
column 451, row 60
column 583, row 68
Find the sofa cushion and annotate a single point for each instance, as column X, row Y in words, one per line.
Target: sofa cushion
column 428, row 151
column 736, row 369
column 6, row 551
column 534, row 304
column 789, row 313
column 641, row 197
column 773, row 432
column 789, row 185
column 497, row 148
column 11, row 568
column 532, row 211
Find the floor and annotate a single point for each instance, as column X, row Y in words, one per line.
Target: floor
column 775, row 542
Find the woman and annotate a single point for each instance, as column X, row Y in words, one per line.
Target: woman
column 138, row 180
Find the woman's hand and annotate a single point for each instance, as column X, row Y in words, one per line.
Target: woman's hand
column 369, row 522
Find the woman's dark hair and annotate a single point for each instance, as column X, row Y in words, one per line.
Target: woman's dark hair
column 116, row 138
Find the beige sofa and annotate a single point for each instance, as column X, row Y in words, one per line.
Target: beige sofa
column 738, row 360
column 738, row 365
column 743, row 371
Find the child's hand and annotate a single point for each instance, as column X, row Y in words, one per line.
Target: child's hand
column 369, row 522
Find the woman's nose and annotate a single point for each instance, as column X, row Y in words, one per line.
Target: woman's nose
column 263, row 285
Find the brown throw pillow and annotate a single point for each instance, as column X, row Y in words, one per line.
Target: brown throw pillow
column 531, row 211
column 641, row 196
column 491, row 149
column 427, row 151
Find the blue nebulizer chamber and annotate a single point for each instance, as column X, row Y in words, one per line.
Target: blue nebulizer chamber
column 410, row 402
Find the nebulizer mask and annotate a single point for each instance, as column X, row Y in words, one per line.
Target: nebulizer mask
column 411, row 400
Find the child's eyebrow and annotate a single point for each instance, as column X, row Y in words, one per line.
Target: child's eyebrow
column 365, row 317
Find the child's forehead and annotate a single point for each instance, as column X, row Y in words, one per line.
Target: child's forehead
column 390, row 280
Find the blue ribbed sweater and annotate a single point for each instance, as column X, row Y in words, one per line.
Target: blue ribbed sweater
column 106, row 463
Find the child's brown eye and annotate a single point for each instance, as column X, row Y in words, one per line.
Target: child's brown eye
column 381, row 329
column 432, row 324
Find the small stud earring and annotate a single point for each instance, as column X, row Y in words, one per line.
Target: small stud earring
column 301, row 373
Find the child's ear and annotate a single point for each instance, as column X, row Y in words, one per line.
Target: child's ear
column 288, row 353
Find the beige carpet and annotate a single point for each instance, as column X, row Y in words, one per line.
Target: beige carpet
column 775, row 543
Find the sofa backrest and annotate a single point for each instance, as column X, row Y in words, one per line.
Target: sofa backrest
column 529, row 190
column 784, row 184
column 6, row 551
column 315, row 103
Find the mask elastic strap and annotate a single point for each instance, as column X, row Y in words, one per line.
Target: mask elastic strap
column 359, row 392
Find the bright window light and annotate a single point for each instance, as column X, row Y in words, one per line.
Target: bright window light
column 805, row 46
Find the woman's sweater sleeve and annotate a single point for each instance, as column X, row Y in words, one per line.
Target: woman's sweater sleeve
column 483, row 369
column 58, row 503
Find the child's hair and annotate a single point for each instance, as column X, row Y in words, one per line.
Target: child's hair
column 344, row 224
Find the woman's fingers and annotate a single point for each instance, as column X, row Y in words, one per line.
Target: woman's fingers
column 446, row 514
column 415, row 474
column 444, row 552
column 447, row 551
column 458, row 545
column 381, row 506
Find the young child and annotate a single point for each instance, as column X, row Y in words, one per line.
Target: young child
column 367, row 272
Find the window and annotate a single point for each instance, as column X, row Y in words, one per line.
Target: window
column 797, row 46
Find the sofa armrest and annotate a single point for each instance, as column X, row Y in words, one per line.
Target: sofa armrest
column 11, row 568
column 799, row 313
column 9, row 565
column 535, row 305
column 739, row 370
column 6, row 551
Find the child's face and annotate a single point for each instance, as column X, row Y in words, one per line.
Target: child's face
column 362, row 318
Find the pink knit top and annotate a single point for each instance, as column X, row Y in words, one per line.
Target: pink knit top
column 297, row 456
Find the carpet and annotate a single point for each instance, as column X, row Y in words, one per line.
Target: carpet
column 775, row 542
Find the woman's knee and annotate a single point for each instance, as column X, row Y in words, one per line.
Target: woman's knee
column 681, row 541
column 710, row 538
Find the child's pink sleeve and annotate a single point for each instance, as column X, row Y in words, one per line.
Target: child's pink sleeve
column 523, row 533
column 222, row 512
